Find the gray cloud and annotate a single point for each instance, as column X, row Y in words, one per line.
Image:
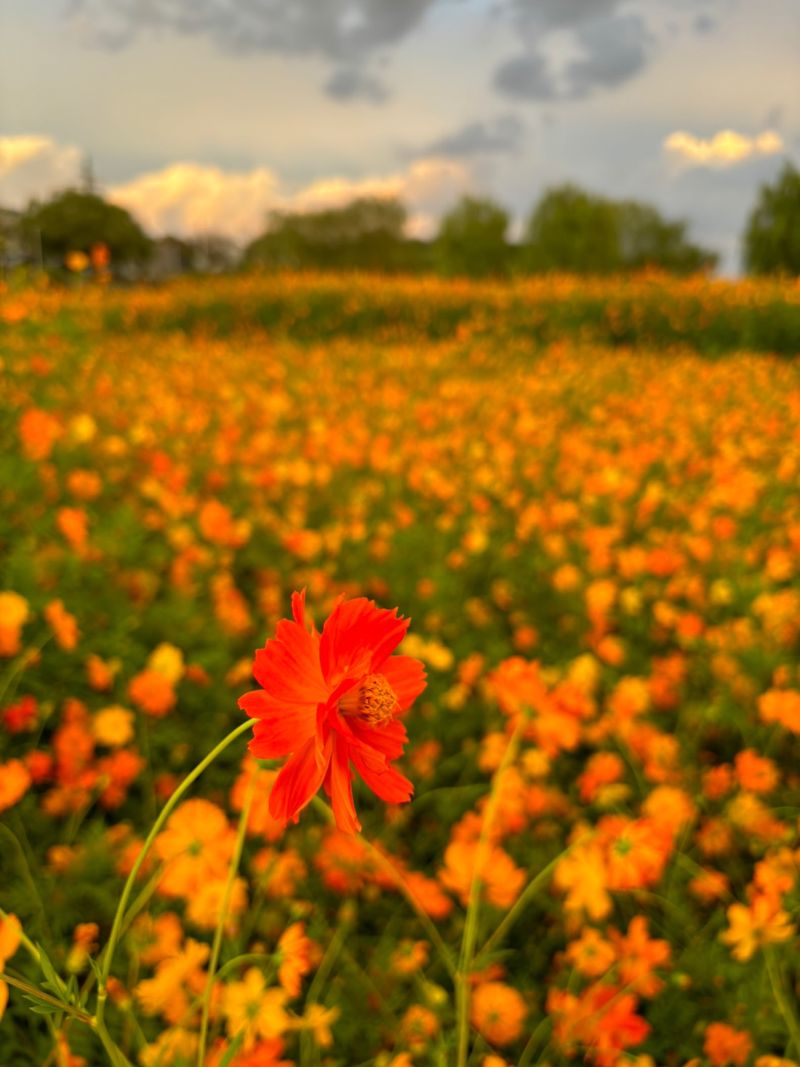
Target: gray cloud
column 528, row 77
column 347, row 32
column 704, row 23
column 344, row 30
column 613, row 48
column 500, row 135
column 351, row 83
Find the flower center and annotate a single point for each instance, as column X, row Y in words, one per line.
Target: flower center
column 372, row 700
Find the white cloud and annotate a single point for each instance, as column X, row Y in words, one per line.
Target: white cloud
column 35, row 166
column 187, row 198
column 427, row 188
column 724, row 149
column 190, row 198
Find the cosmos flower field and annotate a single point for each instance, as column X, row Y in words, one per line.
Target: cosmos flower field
column 585, row 497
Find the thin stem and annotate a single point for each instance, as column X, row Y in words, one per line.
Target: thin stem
column 223, row 915
column 402, row 885
column 530, row 891
column 324, row 969
column 470, row 934
column 784, row 1006
column 45, row 998
column 166, row 811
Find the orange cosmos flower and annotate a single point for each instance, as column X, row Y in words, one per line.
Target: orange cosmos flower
column 726, row 1047
column 330, row 700
column 498, row 1012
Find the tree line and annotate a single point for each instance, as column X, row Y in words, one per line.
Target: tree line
column 570, row 230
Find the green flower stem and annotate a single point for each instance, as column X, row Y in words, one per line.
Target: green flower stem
column 522, row 901
column 400, row 882
column 470, row 934
column 223, row 915
column 784, row 1004
column 166, row 811
column 45, row 998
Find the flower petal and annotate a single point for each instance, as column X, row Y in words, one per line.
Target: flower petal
column 339, row 788
column 386, row 741
column 384, row 781
column 297, row 782
column 281, row 730
column 356, row 635
column 288, row 666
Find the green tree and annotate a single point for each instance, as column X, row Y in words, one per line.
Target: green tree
column 574, row 231
column 366, row 234
column 472, row 239
column 772, row 237
column 646, row 239
column 73, row 221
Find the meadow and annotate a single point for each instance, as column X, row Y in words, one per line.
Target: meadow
column 586, row 498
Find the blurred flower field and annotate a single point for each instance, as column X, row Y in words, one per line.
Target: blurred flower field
column 592, row 520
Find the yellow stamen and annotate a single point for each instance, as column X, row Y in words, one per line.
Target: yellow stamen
column 372, row 700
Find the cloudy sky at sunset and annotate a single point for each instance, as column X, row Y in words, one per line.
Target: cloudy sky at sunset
column 201, row 115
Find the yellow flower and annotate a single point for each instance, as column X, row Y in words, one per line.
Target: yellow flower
column 167, row 660
column 14, row 614
column 113, row 726
column 253, row 1010
column 762, row 923
column 318, row 1020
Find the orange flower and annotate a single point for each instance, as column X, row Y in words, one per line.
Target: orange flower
column 418, row 1027
column 726, row 1047
column 602, row 1020
column 63, row 624
column 260, row 821
column 196, row 845
column 14, row 614
column 253, row 1010
column 591, row 955
column 783, row 706
column 763, row 922
column 639, row 955
column 498, row 1012
column 10, row 937
column 38, row 431
column 294, row 952
column 501, row 879
column 756, row 773
column 152, row 692
column 581, row 873
column 74, row 525
column 14, row 783
column 330, row 700
column 603, row 768
column 409, row 957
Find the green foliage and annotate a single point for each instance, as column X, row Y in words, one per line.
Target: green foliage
column 646, row 239
column 366, row 234
column 577, row 232
column 472, row 239
column 572, row 230
column 772, row 237
column 74, row 221
column 654, row 312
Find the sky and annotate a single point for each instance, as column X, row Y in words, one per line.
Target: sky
column 202, row 115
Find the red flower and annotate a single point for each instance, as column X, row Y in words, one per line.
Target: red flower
column 333, row 700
